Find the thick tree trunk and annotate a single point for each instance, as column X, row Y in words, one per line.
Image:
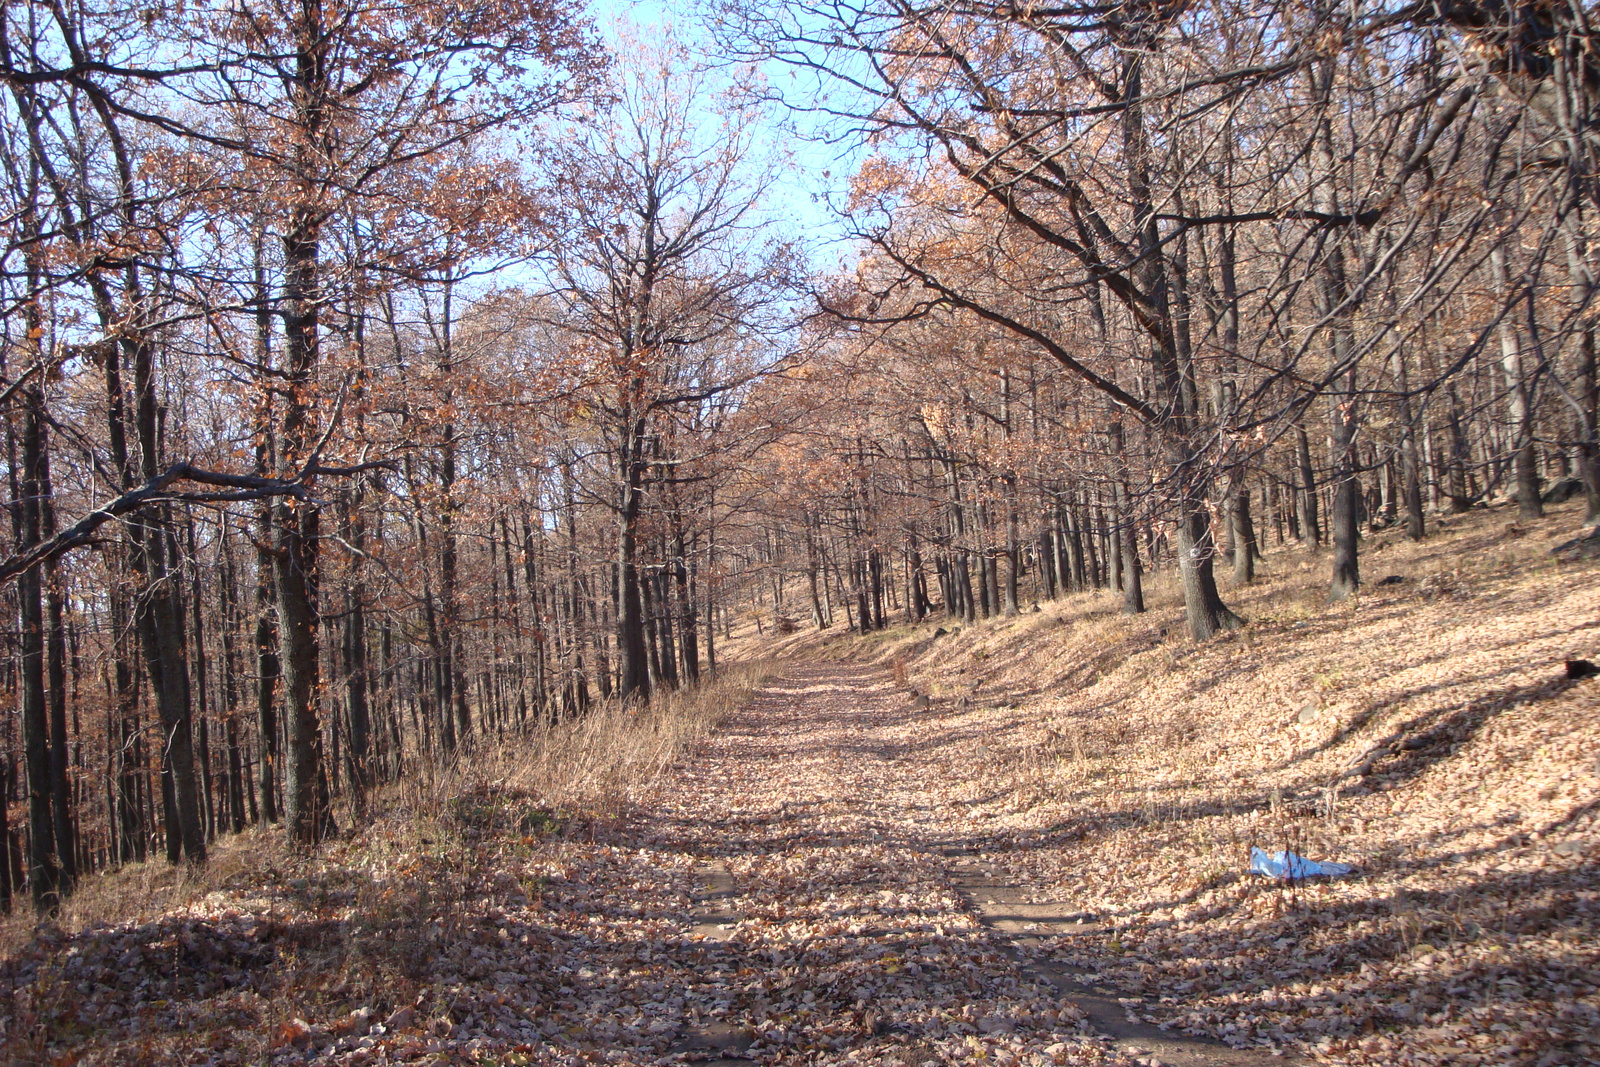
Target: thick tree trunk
column 1345, row 520
column 917, row 600
column 1333, row 299
column 161, row 625
column 297, row 525
column 1132, row 578
column 1203, row 608
column 1245, row 549
column 306, row 812
column 1068, row 527
column 1346, row 516
column 963, row 583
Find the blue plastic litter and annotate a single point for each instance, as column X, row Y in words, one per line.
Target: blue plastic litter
column 1286, row 866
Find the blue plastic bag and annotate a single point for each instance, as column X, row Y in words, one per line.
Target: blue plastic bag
column 1286, row 866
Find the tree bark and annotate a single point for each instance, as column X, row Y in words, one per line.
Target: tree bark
column 1203, row 606
column 631, row 646
column 1520, row 410
column 297, row 527
column 1245, row 549
column 44, row 872
column 1306, row 493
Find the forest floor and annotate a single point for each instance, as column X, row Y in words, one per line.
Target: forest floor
column 1043, row 861
column 1424, row 732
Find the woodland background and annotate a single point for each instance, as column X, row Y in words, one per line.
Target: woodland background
column 380, row 381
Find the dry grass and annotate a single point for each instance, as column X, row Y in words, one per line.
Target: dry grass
column 610, row 757
column 154, row 964
column 581, row 769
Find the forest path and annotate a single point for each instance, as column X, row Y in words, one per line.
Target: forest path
column 844, row 906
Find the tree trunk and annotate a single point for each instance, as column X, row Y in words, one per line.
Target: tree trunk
column 1244, row 532
column 688, row 614
column 1203, row 606
column 1410, row 461
column 1589, row 446
column 1306, row 494
column 56, row 674
column 1529, row 504
column 1346, row 517
column 44, row 873
column 631, row 647
column 296, row 528
column 1127, row 535
column 1332, row 303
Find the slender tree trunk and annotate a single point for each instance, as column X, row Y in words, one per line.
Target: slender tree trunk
column 1410, row 461
column 631, row 646
column 688, row 621
column 1589, row 446
column 297, row 528
column 44, row 872
column 1132, row 578
column 7, row 876
column 1332, row 293
column 711, row 588
column 231, row 619
column 1091, row 555
column 1306, row 494
column 1520, row 409
column 56, row 673
column 817, row 617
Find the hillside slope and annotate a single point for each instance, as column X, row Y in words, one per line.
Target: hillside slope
column 760, row 861
column 1425, row 732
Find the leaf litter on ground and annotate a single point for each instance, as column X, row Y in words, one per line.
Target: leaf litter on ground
column 1103, row 765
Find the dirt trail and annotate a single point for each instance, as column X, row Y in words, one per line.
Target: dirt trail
column 846, row 906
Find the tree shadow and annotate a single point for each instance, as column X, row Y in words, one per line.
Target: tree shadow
column 1366, row 948
column 1425, row 739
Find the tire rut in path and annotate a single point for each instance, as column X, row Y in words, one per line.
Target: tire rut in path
column 827, row 861
column 714, row 889
column 1008, row 910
